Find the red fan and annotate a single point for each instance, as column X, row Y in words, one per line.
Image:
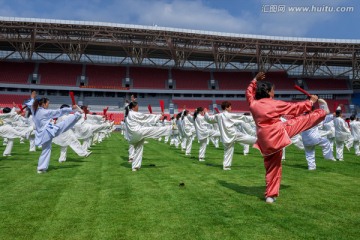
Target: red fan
column 302, row 90
column 86, row 111
column 217, row 110
column 105, row 111
column 150, row 109
column 21, row 107
column 162, row 105
column 72, row 98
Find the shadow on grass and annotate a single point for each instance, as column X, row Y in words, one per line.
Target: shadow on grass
column 232, row 167
column 214, row 165
column 148, row 165
column 52, row 168
column 80, row 159
column 300, row 166
column 334, row 167
column 257, row 191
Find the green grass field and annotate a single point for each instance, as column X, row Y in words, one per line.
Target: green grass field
column 99, row 197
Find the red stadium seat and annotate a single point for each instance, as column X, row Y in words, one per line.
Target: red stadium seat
column 105, row 76
column 15, row 72
column 6, row 100
column 59, row 73
column 195, row 80
column 233, row 80
column 150, row 78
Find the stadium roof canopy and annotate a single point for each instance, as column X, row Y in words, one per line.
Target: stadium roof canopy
column 29, row 39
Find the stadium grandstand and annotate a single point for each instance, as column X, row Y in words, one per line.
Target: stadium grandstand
column 104, row 63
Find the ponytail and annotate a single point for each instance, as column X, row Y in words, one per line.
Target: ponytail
column 38, row 103
column 130, row 106
column 184, row 113
column 197, row 111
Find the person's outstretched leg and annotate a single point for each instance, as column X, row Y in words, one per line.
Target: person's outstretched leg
column 301, row 123
column 67, row 123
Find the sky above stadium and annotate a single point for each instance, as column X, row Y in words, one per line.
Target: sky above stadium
column 334, row 19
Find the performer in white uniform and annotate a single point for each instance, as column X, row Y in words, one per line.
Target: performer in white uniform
column 355, row 132
column 329, row 131
column 45, row 130
column 342, row 135
column 12, row 119
column 174, row 140
column 227, row 122
column 68, row 138
column 203, row 132
column 9, row 133
column 137, row 131
column 181, row 130
column 312, row 138
column 188, row 131
column 131, row 149
column 249, row 129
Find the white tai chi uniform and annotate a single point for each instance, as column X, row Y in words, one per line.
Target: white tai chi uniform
column 85, row 129
column 46, row 131
column 6, row 131
column 137, row 131
column 188, row 131
column 131, row 150
column 215, row 138
column 10, row 129
column 66, row 139
column 181, row 133
column 329, row 130
column 203, row 132
column 32, row 147
column 174, row 133
column 312, row 138
column 227, row 126
column 248, row 129
column 342, row 135
column 355, row 132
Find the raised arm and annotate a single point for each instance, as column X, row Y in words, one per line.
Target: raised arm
column 208, row 118
column 251, row 89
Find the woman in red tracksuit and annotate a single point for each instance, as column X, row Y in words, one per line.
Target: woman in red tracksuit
column 273, row 134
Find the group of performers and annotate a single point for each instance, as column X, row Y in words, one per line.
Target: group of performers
column 43, row 126
column 266, row 128
column 271, row 127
